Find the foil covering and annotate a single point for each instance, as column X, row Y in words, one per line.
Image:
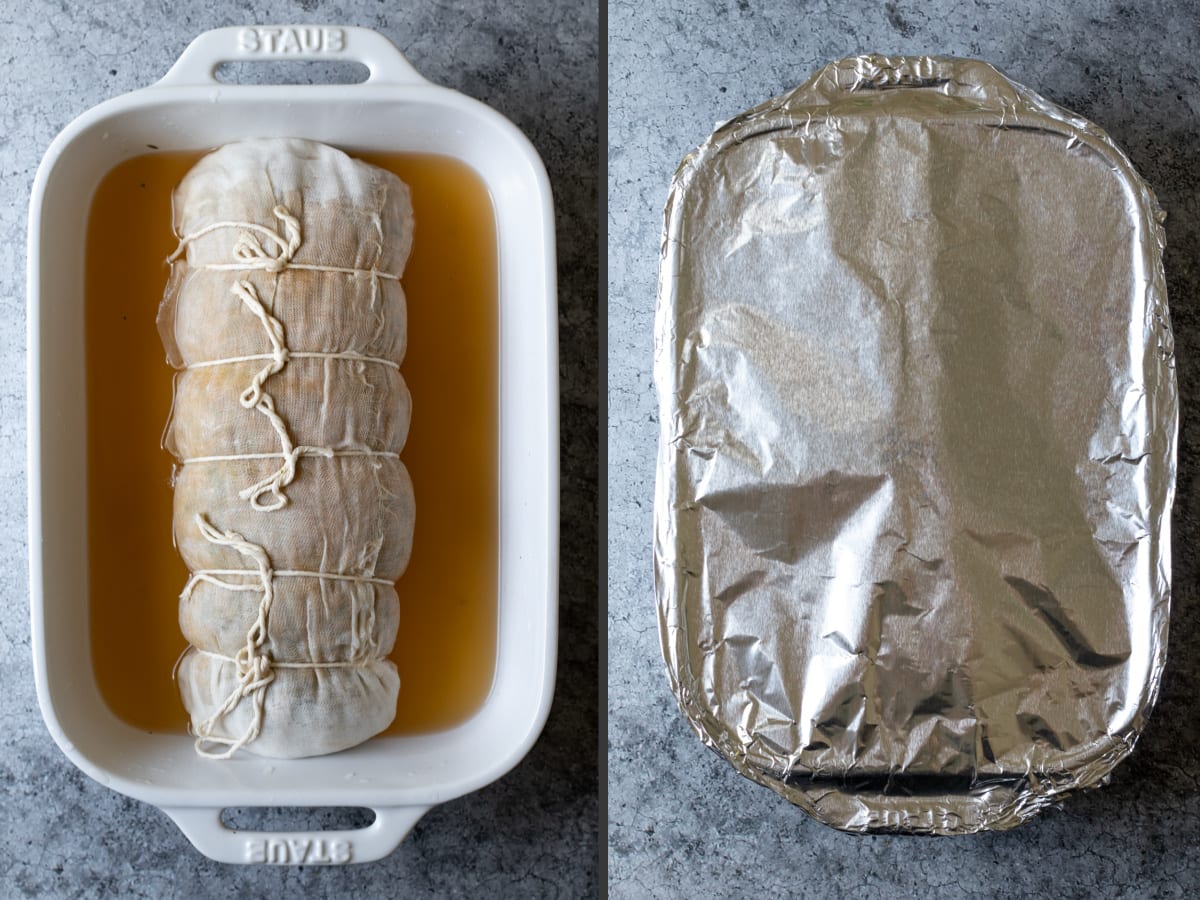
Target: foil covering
column 917, row 457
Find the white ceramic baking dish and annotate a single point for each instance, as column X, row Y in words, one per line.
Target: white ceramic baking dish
column 394, row 110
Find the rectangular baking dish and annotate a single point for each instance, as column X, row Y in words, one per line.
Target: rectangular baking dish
column 917, row 451
column 394, row 110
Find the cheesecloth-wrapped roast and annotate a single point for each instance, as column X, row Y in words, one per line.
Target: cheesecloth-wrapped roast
column 286, row 320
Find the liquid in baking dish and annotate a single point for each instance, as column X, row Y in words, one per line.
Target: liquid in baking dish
column 446, row 643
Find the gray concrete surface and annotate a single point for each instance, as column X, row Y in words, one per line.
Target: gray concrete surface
column 532, row 834
column 682, row 824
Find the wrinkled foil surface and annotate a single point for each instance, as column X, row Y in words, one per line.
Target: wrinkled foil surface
column 917, row 457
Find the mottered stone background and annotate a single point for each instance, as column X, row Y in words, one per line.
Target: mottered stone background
column 681, row 822
column 533, row 833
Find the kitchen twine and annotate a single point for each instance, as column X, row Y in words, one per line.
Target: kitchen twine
column 250, row 253
column 254, row 665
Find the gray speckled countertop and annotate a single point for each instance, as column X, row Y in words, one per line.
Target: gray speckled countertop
column 533, row 833
column 682, row 824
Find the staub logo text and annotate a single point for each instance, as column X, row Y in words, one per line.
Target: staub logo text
column 291, row 40
column 298, row 851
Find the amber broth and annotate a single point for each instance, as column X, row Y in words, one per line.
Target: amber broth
column 447, row 643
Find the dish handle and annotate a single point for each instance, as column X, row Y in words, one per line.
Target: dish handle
column 212, row 837
column 198, row 63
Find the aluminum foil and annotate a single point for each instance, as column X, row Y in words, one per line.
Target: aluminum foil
column 917, row 460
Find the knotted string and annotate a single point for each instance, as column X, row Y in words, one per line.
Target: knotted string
column 248, row 249
column 255, row 397
column 253, row 664
column 249, row 252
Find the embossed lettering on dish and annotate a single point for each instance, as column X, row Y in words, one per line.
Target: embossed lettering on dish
column 298, row 851
column 291, row 40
